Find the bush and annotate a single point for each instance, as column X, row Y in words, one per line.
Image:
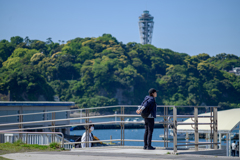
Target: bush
column 54, row 145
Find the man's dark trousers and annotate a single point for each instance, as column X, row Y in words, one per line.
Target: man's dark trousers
column 233, row 153
column 149, row 125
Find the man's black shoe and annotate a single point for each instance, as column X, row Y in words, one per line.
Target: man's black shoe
column 151, row 148
column 144, row 147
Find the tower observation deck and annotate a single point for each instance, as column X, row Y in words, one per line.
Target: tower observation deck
column 146, row 27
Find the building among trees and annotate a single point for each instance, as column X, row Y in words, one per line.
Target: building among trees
column 236, row 71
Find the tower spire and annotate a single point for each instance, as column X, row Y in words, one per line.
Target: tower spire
column 145, row 24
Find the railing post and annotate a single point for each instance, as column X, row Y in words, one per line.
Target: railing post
column 81, row 116
column 211, row 126
column 87, row 128
column 196, row 127
column 20, row 126
column 167, row 130
column 215, row 129
column 229, row 144
column 26, row 138
column 175, row 129
column 53, row 124
column 62, row 141
column 220, row 140
column 165, row 125
column 123, row 127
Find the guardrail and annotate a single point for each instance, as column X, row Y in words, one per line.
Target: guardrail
column 42, row 138
column 167, row 123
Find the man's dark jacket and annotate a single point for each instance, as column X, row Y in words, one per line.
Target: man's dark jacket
column 151, row 105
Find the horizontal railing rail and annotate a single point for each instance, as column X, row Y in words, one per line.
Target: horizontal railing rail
column 106, row 116
column 82, row 109
column 81, row 124
column 193, row 144
column 112, row 140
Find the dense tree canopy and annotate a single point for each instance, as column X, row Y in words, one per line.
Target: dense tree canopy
column 102, row 71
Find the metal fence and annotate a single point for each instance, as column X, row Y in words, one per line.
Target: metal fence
column 41, row 138
column 169, row 121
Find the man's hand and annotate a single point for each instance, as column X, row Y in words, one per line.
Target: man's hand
column 138, row 111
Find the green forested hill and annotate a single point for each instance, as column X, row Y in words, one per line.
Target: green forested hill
column 102, row 71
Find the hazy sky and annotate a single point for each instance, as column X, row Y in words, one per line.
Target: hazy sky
column 188, row 26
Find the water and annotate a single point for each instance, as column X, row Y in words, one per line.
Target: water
column 137, row 134
column 117, row 119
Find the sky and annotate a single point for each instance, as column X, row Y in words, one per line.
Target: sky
column 185, row 26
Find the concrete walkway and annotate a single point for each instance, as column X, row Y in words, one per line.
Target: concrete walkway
column 116, row 153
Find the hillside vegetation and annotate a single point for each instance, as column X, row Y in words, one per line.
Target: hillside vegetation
column 102, row 71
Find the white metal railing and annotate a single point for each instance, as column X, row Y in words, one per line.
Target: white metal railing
column 166, row 123
column 41, row 138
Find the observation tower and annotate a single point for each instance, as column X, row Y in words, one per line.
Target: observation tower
column 146, row 27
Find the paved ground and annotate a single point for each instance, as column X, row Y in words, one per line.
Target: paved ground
column 116, row 153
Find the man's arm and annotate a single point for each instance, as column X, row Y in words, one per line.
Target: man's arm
column 145, row 105
column 83, row 139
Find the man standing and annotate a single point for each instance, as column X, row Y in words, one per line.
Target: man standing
column 87, row 138
column 149, row 104
column 237, row 147
column 233, row 148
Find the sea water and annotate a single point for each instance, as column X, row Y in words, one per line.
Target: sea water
column 136, row 134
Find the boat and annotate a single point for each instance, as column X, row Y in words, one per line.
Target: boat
column 180, row 136
column 136, row 120
column 128, row 120
column 233, row 137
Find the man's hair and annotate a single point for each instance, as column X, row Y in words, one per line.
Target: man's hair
column 151, row 91
column 151, row 94
column 88, row 126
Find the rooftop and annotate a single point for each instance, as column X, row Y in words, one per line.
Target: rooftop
column 227, row 121
column 35, row 103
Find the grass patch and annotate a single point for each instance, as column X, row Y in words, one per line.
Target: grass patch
column 55, row 145
column 19, row 146
column 2, row 158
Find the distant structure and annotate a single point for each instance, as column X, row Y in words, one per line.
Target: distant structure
column 146, row 27
column 236, row 71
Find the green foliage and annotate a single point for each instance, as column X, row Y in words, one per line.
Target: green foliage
column 19, row 146
column 16, row 40
column 102, row 71
column 6, row 49
column 37, row 57
column 54, row 145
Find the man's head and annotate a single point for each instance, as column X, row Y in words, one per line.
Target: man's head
column 152, row 92
column 90, row 127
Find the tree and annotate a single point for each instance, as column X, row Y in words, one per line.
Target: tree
column 16, row 40
column 102, row 71
column 6, row 49
column 49, row 40
column 37, row 57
